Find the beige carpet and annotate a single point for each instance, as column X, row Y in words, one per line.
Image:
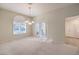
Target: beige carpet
column 33, row 46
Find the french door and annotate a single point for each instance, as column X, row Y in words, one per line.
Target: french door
column 40, row 29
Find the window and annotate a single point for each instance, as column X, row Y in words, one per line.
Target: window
column 19, row 28
column 19, row 25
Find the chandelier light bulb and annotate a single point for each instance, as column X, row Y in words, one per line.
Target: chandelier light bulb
column 32, row 21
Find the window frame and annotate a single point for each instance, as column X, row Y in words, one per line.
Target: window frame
column 20, row 24
column 21, row 18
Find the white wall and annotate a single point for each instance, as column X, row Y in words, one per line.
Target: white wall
column 56, row 21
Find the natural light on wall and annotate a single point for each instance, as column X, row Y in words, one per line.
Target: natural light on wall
column 75, row 21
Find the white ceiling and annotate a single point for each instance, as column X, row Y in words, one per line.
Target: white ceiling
column 37, row 8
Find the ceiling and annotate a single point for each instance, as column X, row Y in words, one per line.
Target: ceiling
column 37, row 8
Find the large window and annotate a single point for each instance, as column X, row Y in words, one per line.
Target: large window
column 19, row 28
column 19, row 25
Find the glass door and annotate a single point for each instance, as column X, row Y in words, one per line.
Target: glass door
column 40, row 30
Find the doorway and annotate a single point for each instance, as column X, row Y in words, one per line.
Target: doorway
column 72, row 30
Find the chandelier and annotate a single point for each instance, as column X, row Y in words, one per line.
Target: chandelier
column 30, row 8
column 29, row 5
